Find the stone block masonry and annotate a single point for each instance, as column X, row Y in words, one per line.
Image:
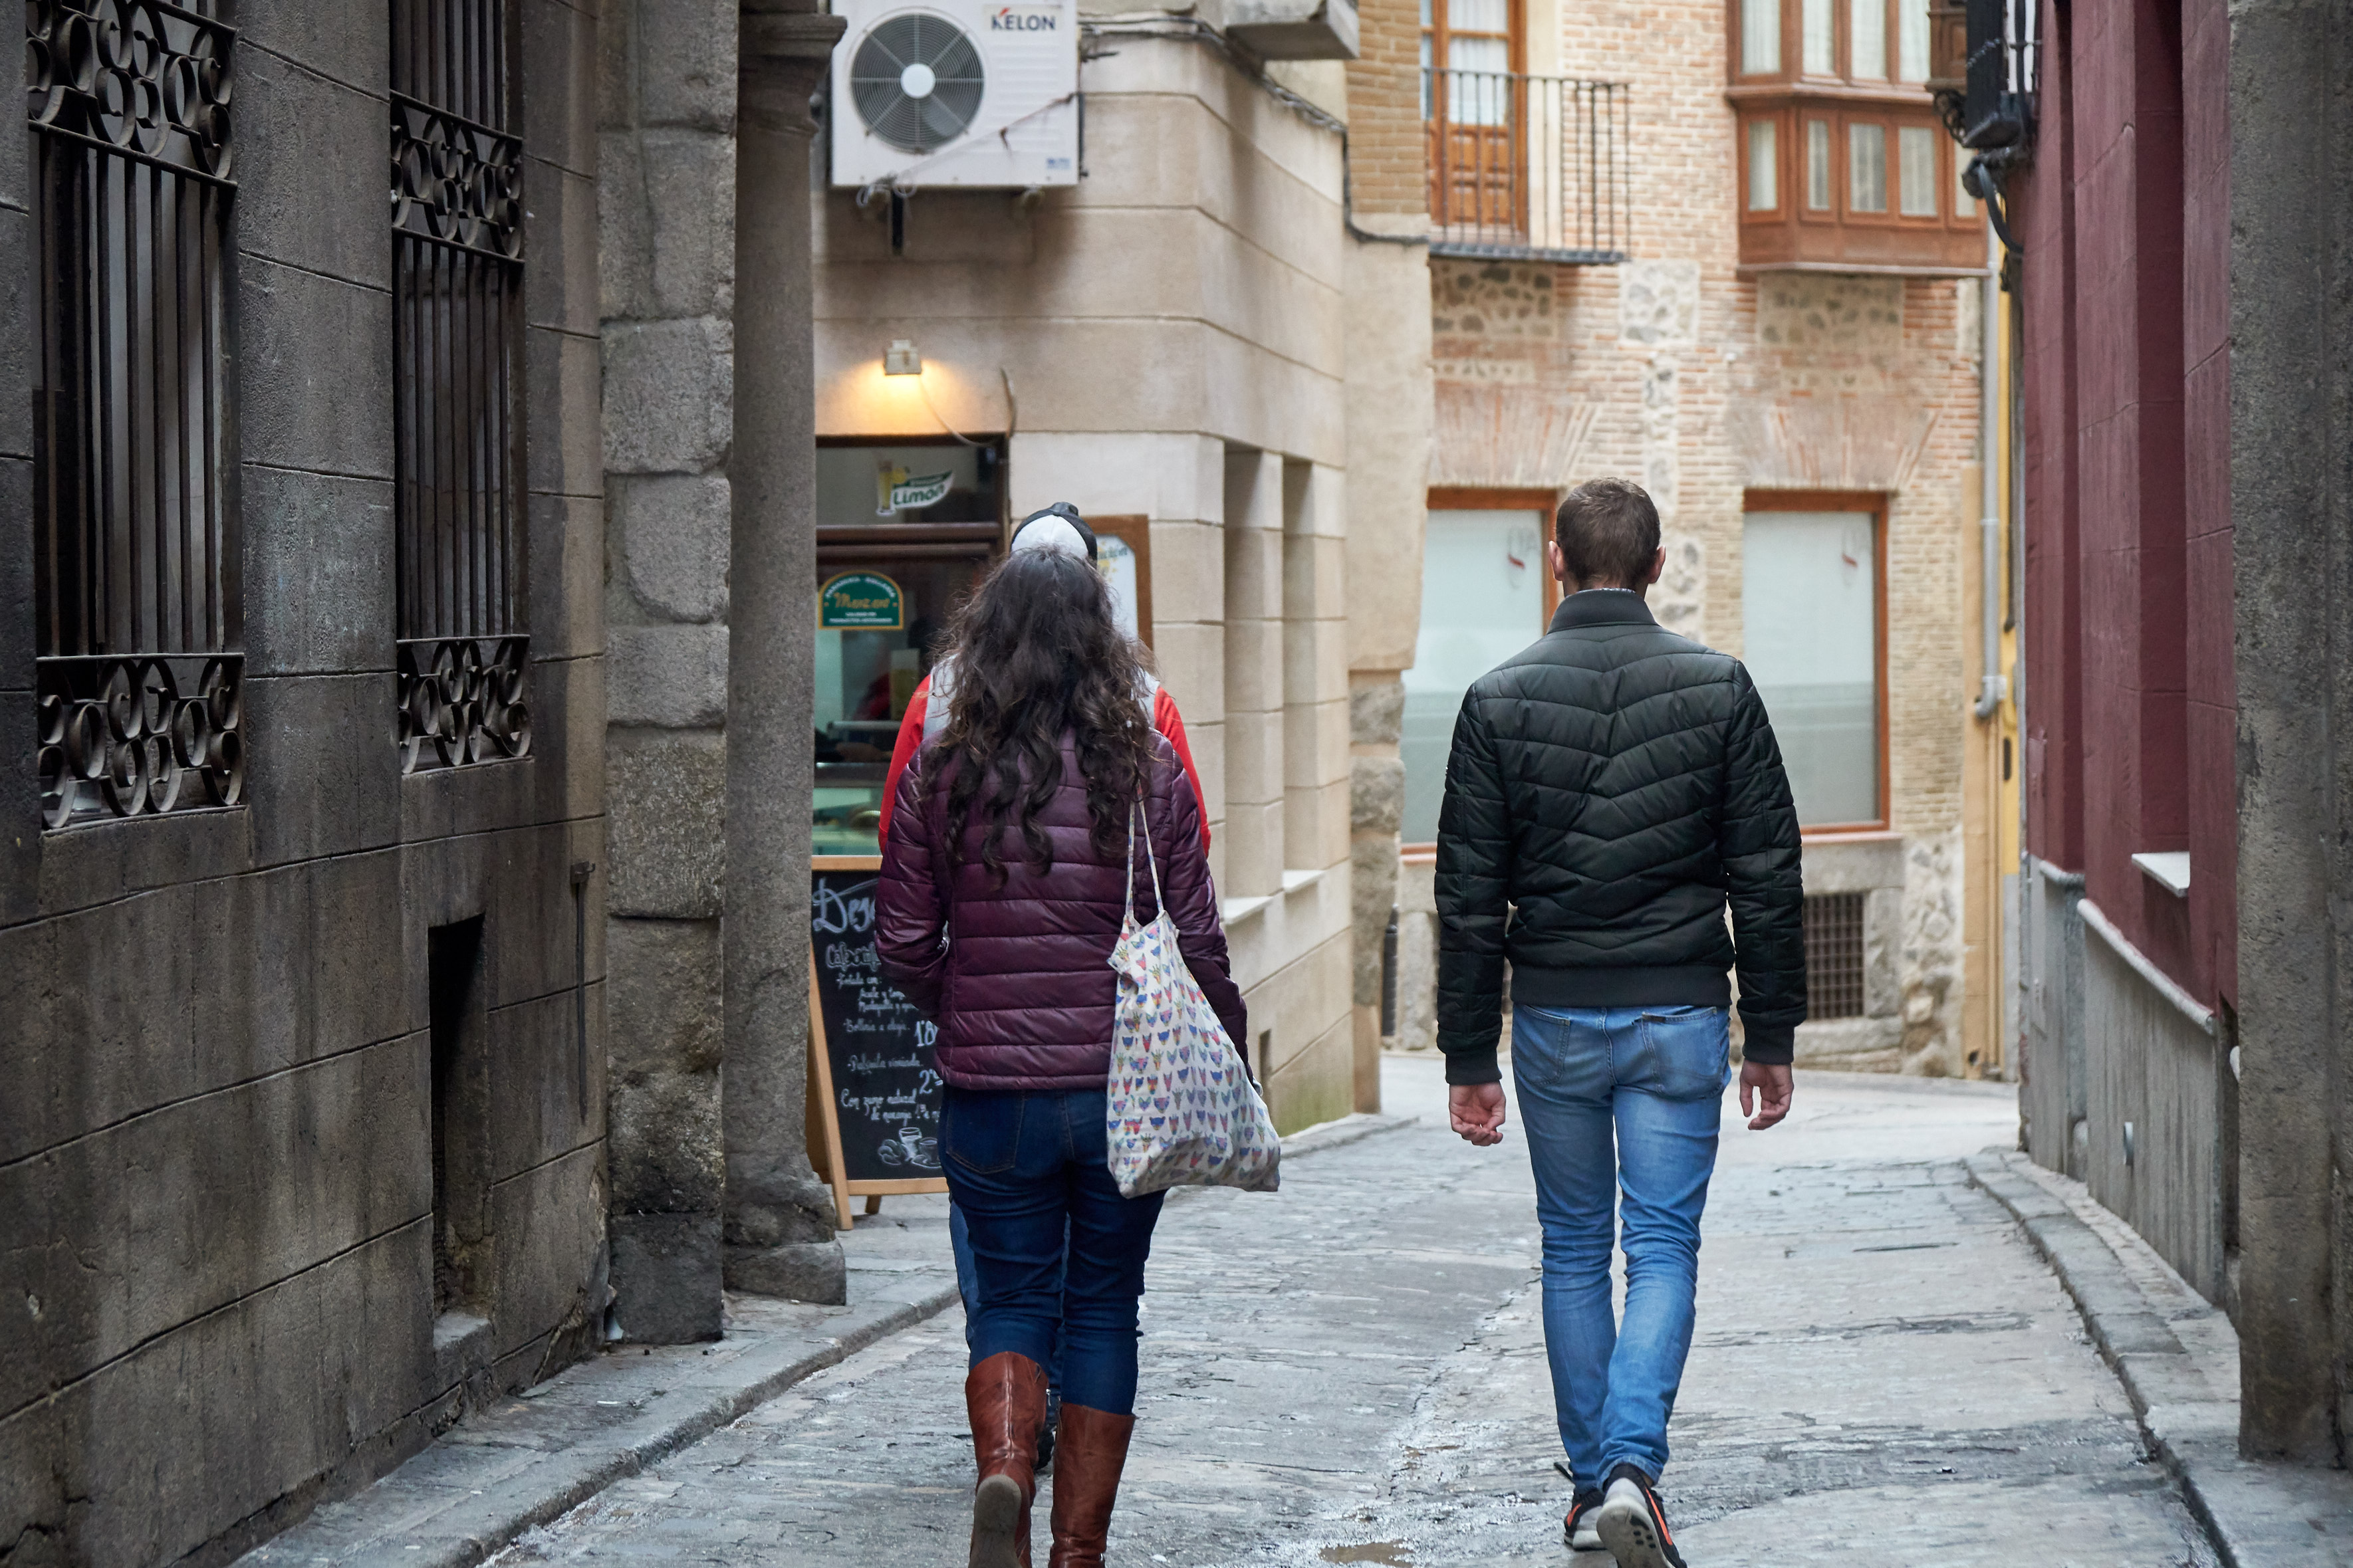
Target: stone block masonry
column 266, row 1063
column 700, row 1161
column 666, row 136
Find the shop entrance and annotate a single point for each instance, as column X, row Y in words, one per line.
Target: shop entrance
column 902, row 529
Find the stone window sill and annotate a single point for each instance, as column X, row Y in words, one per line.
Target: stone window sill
column 1232, row 909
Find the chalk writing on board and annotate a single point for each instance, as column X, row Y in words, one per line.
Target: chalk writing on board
column 887, row 1091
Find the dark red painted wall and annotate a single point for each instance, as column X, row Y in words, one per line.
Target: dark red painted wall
column 2211, row 719
column 2043, row 212
column 2125, row 221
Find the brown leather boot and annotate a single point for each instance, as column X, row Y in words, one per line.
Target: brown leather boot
column 1088, row 1458
column 1005, row 1399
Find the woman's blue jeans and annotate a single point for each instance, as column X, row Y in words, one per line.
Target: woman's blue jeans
column 1028, row 1168
column 1619, row 1099
column 969, row 1286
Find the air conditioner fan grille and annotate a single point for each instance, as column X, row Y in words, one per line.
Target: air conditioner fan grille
column 925, row 51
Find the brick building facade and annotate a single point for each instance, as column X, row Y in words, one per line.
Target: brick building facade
column 1742, row 394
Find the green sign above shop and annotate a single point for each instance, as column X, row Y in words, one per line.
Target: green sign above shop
column 863, row 601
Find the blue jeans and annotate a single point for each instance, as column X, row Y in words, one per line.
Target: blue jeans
column 1620, row 1098
column 969, row 1286
column 1030, row 1168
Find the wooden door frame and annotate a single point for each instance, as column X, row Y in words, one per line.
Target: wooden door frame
column 1500, row 497
column 1135, row 532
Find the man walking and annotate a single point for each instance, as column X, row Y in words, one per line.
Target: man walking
column 1611, row 789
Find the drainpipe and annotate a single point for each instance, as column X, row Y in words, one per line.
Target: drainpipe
column 1991, row 686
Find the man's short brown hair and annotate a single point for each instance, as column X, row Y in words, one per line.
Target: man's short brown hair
column 1608, row 533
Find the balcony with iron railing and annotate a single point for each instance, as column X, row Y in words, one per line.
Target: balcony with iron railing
column 1529, row 168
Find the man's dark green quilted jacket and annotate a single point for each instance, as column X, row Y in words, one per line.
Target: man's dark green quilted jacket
column 1611, row 790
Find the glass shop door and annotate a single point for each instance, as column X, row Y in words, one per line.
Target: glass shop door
column 903, row 528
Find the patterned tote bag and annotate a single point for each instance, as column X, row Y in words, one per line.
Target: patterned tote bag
column 1183, row 1110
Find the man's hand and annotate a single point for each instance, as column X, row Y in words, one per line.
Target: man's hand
column 1477, row 1111
column 1764, row 1091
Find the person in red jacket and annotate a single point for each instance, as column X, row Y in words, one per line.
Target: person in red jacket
column 1009, row 868
column 1058, row 527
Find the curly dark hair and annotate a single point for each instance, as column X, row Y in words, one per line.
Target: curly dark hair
column 1038, row 656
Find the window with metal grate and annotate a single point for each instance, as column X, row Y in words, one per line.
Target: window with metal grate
column 135, row 545
column 1834, row 956
column 458, row 247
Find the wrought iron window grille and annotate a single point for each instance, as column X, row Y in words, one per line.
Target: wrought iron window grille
column 458, row 259
column 137, row 674
column 1528, row 168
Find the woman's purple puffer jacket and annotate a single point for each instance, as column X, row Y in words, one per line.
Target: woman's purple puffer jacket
column 1018, row 977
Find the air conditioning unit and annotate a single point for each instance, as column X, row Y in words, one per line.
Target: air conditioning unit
column 956, row 92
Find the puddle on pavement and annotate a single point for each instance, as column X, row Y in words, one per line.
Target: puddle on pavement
column 1397, row 1553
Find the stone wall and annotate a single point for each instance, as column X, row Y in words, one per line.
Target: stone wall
column 2291, row 522
column 712, row 1183
column 2160, row 1144
column 667, row 132
column 217, row 1173
column 1376, row 808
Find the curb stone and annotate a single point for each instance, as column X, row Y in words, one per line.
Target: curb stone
column 526, row 1461
column 2178, row 1361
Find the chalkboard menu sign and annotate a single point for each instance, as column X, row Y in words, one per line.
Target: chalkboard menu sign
column 874, row 1095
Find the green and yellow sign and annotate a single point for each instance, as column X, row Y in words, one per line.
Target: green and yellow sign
column 862, row 601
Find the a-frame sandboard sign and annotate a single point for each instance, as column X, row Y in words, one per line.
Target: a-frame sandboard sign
column 874, row 1096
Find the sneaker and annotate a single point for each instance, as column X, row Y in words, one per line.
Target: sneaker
column 1633, row 1525
column 1577, row 1529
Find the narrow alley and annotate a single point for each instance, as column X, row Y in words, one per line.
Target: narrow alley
column 1353, row 1372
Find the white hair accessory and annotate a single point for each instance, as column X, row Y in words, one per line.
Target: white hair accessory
column 1050, row 532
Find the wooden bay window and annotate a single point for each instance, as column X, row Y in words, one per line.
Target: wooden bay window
column 1844, row 163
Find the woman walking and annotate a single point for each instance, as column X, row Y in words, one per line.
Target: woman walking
column 1008, row 869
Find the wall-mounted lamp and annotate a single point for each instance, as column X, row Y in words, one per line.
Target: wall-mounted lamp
column 900, row 358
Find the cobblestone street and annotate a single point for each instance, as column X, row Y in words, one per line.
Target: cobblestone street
column 1353, row 1372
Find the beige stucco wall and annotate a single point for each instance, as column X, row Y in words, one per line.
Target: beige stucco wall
column 1172, row 332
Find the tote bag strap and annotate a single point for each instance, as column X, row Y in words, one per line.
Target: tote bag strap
column 1159, row 904
column 1128, row 917
column 1136, row 812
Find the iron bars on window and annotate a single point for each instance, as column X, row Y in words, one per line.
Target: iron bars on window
column 1527, row 168
column 457, row 238
column 135, row 552
column 1834, row 956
